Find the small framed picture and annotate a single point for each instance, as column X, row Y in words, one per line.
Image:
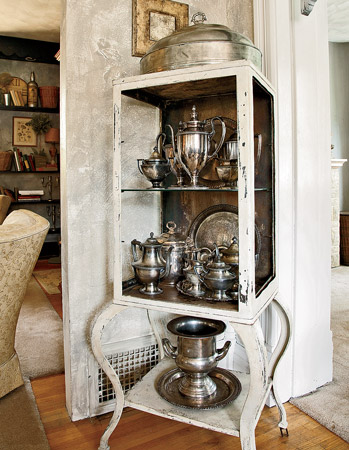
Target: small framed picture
column 155, row 19
column 23, row 135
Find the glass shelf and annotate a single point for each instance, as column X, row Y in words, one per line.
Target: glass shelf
column 189, row 189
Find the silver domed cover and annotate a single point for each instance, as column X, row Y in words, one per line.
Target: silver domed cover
column 199, row 44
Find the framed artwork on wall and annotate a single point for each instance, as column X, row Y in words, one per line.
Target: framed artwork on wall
column 154, row 19
column 23, row 135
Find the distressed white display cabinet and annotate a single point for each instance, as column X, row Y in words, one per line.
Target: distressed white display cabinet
column 241, row 95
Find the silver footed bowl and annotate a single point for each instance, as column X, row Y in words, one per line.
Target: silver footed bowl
column 196, row 354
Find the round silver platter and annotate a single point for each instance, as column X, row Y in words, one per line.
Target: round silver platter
column 183, row 287
column 228, row 388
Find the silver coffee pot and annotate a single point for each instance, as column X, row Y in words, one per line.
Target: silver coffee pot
column 151, row 267
column 193, row 144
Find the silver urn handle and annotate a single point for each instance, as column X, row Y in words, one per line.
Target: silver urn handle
column 160, row 143
column 198, row 274
column 221, row 142
column 169, row 349
column 164, row 272
column 221, row 353
column 134, row 243
column 138, row 165
column 175, row 155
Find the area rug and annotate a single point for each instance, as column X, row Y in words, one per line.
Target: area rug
column 39, row 344
column 39, row 336
column 49, row 280
column 20, row 424
column 329, row 405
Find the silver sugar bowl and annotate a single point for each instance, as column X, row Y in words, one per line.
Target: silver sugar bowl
column 227, row 170
column 194, row 258
column 156, row 168
column 151, row 267
column 196, row 354
column 228, row 173
column 217, row 277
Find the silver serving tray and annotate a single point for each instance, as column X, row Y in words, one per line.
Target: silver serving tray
column 228, row 388
column 218, row 224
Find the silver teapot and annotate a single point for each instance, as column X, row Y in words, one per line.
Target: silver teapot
column 178, row 243
column 217, row 277
column 151, row 267
column 193, row 143
column 156, row 168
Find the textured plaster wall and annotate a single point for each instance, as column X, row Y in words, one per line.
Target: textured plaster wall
column 339, row 75
column 240, row 17
column 96, row 48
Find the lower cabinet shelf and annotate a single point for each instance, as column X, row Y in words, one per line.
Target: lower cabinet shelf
column 238, row 418
column 144, row 396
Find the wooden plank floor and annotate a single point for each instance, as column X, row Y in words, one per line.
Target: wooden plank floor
column 141, row 431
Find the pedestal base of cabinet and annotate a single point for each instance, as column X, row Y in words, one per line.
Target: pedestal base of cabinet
column 238, row 418
column 145, row 397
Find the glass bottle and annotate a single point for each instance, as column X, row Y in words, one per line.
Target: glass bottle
column 32, row 92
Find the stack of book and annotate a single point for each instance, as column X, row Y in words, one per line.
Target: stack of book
column 30, row 195
column 23, row 163
column 17, row 98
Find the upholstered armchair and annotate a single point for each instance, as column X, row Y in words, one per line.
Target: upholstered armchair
column 22, row 235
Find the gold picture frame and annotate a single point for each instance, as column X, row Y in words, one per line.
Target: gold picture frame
column 154, row 19
column 23, row 135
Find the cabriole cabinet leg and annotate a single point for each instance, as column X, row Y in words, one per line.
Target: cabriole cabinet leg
column 253, row 340
column 96, row 341
column 280, row 348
